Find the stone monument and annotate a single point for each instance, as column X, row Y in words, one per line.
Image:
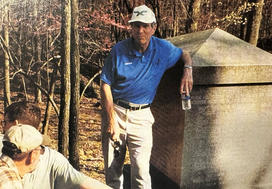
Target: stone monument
column 225, row 140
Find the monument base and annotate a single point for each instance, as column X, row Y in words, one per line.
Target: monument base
column 158, row 179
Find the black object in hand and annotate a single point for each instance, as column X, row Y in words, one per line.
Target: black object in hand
column 116, row 145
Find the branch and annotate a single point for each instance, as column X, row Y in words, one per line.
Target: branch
column 89, row 82
column 17, row 70
column 43, row 90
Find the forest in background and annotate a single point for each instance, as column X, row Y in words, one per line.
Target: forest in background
column 33, row 32
column 35, row 26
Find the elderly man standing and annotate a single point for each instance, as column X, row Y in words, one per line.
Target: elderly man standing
column 129, row 80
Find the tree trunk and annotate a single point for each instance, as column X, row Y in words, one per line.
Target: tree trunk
column 175, row 19
column 75, row 87
column 254, row 22
column 37, row 51
column 194, row 12
column 51, row 78
column 65, row 78
column 20, row 55
column 7, row 100
column 51, row 94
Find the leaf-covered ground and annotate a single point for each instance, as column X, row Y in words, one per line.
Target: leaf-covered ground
column 90, row 150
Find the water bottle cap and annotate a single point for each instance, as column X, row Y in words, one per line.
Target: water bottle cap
column 186, row 97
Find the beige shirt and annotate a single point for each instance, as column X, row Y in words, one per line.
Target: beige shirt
column 1, row 144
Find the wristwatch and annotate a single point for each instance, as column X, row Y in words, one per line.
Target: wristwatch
column 187, row 66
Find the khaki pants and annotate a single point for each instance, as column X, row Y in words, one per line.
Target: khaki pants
column 136, row 135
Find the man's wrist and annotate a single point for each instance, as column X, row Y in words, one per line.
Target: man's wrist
column 188, row 67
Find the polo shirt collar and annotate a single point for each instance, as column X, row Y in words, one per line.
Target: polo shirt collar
column 134, row 52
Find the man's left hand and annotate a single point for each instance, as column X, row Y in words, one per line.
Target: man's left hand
column 186, row 84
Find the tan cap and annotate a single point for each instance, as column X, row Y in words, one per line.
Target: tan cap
column 25, row 137
column 142, row 14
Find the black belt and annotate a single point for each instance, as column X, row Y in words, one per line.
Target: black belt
column 127, row 105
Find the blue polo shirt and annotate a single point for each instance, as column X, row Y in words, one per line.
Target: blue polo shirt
column 135, row 76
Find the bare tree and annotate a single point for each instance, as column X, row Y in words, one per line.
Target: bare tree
column 65, row 78
column 51, row 95
column 194, row 14
column 7, row 100
column 75, row 87
column 37, row 50
column 254, row 21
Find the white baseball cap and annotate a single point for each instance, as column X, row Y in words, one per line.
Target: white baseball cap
column 142, row 14
column 25, row 137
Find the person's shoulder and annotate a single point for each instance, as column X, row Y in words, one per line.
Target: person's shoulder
column 1, row 144
column 10, row 180
column 163, row 46
column 8, row 173
column 159, row 42
column 6, row 161
column 3, row 168
column 122, row 45
column 51, row 152
column 123, row 42
column 9, row 176
column 53, row 156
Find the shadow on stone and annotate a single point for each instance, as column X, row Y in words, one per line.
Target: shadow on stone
column 158, row 179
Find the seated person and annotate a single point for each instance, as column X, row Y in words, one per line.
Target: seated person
column 53, row 170
column 21, row 152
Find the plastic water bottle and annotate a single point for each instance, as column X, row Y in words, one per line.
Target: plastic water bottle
column 186, row 101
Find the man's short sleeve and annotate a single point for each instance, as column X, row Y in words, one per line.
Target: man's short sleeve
column 174, row 56
column 107, row 74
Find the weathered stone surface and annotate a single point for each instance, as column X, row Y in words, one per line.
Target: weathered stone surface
column 225, row 140
column 227, row 137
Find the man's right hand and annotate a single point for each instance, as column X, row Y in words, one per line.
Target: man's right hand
column 114, row 132
column 107, row 107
